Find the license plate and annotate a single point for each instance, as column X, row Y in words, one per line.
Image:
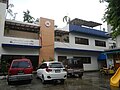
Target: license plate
column 20, row 72
column 57, row 71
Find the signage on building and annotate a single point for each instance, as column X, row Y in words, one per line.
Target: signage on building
column 22, row 42
column 47, row 23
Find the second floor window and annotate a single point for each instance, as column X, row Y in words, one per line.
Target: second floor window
column 83, row 41
column 61, row 36
column 100, row 43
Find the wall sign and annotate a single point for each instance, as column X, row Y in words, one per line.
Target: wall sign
column 47, row 23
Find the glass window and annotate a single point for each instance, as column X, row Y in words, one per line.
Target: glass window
column 44, row 65
column 73, row 63
column 61, row 58
column 81, row 41
column 56, row 65
column 20, row 64
column 85, row 60
column 100, row 43
column 61, row 36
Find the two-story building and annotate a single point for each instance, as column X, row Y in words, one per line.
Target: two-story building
column 80, row 40
column 40, row 42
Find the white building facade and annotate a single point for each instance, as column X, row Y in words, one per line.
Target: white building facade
column 84, row 43
column 77, row 40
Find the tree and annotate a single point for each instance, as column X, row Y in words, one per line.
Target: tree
column 27, row 17
column 112, row 16
column 66, row 19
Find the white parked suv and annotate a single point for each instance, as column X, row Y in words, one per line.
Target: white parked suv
column 52, row 71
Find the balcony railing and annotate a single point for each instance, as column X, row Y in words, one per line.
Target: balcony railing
column 21, row 41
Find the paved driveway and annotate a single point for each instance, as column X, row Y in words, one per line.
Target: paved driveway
column 90, row 81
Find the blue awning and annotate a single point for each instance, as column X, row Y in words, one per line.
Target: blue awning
column 102, row 57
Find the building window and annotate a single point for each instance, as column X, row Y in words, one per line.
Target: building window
column 4, row 1
column 62, row 36
column 100, row 43
column 61, row 58
column 81, row 41
column 85, row 60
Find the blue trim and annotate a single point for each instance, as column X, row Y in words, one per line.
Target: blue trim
column 20, row 46
column 72, row 49
column 117, row 50
column 102, row 57
column 89, row 31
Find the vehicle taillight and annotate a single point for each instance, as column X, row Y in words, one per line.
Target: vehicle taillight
column 28, row 71
column 48, row 70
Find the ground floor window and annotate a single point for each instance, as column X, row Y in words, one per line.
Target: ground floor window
column 61, row 58
column 85, row 60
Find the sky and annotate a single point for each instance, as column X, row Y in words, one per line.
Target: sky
column 90, row 10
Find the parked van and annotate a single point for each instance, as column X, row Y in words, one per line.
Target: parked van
column 74, row 67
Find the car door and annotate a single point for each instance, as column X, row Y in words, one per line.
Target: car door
column 41, row 69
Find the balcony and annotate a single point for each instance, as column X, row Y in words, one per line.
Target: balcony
column 21, row 34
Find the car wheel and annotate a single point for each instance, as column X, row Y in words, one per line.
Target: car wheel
column 42, row 79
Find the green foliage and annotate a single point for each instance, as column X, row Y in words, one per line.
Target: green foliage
column 27, row 17
column 112, row 16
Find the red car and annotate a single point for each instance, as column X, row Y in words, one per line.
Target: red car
column 20, row 70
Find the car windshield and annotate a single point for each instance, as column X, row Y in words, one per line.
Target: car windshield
column 73, row 63
column 56, row 65
column 20, row 64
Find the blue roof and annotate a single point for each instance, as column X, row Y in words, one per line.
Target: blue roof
column 89, row 31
